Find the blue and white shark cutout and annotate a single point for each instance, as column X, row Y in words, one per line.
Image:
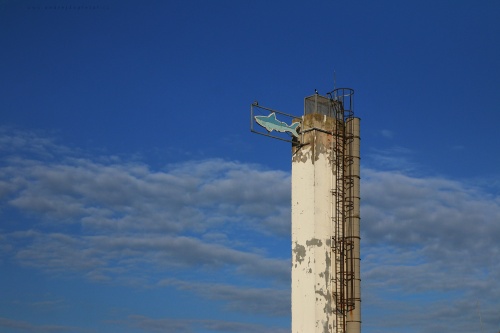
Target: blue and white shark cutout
column 270, row 123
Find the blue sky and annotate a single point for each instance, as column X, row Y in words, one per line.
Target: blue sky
column 134, row 198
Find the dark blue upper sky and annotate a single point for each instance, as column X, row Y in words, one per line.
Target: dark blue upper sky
column 130, row 76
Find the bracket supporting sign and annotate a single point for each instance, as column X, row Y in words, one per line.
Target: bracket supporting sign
column 283, row 126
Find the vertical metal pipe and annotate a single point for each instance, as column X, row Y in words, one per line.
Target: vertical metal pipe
column 353, row 319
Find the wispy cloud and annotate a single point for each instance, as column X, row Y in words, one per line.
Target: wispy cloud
column 240, row 298
column 148, row 324
column 387, row 134
column 24, row 326
column 430, row 244
column 395, row 158
column 127, row 214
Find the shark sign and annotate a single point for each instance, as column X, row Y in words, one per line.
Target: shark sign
column 270, row 123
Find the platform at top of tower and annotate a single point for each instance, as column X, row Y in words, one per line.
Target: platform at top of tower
column 323, row 105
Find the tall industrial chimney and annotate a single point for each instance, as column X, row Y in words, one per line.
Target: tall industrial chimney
column 325, row 217
column 326, row 295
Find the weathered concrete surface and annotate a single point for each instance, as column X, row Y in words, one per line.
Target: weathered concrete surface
column 312, row 182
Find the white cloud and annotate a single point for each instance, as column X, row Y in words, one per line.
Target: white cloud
column 103, row 218
column 434, row 241
column 147, row 324
column 429, row 244
column 396, row 158
column 193, row 196
column 24, row 326
column 240, row 298
column 387, row 134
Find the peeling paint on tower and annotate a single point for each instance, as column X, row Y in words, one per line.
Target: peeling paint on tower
column 300, row 253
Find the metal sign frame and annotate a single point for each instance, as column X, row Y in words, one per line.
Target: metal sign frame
column 258, row 110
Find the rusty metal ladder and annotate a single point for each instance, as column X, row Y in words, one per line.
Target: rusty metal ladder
column 343, row 205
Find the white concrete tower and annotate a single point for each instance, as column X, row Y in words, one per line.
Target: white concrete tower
column 325, row 217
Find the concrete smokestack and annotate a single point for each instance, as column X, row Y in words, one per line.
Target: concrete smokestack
column 325, row 218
